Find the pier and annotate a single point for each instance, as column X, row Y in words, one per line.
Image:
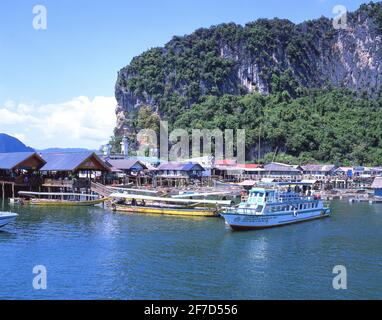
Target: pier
column 101, row 189
column 368, row 200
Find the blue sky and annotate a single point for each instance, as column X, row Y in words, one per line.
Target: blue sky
column 87, row 42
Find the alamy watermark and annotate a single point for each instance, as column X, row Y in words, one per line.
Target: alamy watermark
column 40, row 19
column 340, row 281
column 206, row 142
column 40, row 280
column 340, row 21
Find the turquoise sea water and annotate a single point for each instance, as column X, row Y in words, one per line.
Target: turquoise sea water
column 91, row 253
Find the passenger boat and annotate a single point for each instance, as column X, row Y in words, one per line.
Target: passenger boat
column 7, row 217
column 60, row 199
column 266, row 208
column 166, row 206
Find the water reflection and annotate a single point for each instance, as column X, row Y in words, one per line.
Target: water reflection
column 258, row 249
column 6, row 234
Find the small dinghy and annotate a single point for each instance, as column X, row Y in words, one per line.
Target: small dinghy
column 7, row 217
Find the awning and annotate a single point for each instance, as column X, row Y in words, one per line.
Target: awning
column 247, row 183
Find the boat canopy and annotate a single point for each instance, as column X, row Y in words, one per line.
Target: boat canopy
column 133, row 190
column 173, row 200
column 191, row 195
column 58, row 194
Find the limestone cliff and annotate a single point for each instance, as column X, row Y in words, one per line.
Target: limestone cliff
column 266, row 56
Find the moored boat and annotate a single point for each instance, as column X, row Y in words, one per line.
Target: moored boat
column 266, row 208
column 60, row 199
column 167, row 210
column 7, row 217
column 166, row 206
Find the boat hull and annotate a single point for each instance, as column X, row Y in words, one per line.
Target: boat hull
column 166, row 211
column 64, row 203
column 5, row 219
column 243, row 222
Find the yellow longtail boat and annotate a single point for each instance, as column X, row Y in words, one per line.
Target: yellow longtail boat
column 61, row 199
column 166, row 206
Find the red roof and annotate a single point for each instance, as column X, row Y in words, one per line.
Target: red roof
column 250, row 166
column 230, row 163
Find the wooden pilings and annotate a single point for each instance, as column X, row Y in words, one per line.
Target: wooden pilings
column 5, row 183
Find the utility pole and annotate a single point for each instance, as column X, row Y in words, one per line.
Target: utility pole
column 258, row 157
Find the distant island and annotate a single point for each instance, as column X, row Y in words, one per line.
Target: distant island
column 63, row 150
column 11, row 144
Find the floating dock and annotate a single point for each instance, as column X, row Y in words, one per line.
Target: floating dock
column 368, row 200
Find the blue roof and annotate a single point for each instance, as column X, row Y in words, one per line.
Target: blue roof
column 178, row 166
column 189, row 166
column 66, row 161
column 126, row 164
column 9, row 161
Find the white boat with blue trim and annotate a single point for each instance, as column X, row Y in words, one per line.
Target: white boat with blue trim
column 7, row 217
column 267, row 208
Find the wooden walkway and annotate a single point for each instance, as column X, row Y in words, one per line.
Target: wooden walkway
column 101, row 189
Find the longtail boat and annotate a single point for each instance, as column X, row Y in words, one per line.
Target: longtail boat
column 134, row 203
column 60, row 199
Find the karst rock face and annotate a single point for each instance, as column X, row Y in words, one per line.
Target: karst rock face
column 261, row 56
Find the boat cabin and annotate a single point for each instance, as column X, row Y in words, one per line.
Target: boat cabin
column 261, row 196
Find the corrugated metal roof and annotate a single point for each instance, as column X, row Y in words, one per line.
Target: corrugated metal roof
column 319, row 167
column 226, row 162
column 8, row 161
column 250, row 166
column 191, row 166
column 279, row 167
column 126, row 164
column 66, row 161
column 177, row 166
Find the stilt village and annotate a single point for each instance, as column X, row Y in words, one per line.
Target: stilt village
column 102, row 172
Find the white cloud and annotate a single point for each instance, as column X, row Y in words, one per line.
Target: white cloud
column 80, row 122
column 21, row 136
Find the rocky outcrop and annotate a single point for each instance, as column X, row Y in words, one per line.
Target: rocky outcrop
column 265, row 56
